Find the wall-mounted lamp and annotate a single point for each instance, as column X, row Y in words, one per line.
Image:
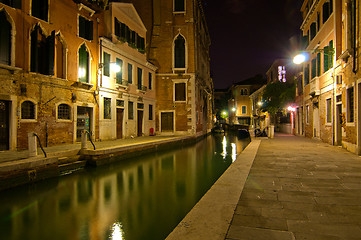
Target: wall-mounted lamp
column 112, row 65
column 304, row 55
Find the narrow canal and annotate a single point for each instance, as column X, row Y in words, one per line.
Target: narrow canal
column 135, row 199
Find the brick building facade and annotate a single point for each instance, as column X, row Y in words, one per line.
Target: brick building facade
column 51, row 68
column 178, row 44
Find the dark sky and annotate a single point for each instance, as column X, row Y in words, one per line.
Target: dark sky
column 248, row 35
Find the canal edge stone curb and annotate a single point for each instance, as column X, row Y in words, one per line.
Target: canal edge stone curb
column 211, row 217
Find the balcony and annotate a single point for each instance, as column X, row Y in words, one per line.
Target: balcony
column 142, row 88
column 315, row 87
column 121, row 83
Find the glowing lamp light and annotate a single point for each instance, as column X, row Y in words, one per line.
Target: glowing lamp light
column 233, row 109
column 291, row 109
column 259, row 103
column 115, row 67
column 81, row 72
column 300, row 58
column 224, row 113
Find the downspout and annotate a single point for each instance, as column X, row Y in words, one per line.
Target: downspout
column 354, row 70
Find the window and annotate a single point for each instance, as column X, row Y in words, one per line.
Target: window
column 313, row 30
column 140, row 105
column 150, row 112
column 244, row 109
column 106, row 64
column 140, row 78
column 64, row 112
column 313, row 68
column 150, row 81
column 85, row 28
column 83, row 70
column 130, row 110
column 27, row 110
column 123, row 31
column 59, row 65
column 119, row 76
column 179, row 52
column 117, row 25
column 328, row 110
column 180, row 91
column 42, row 52
column 328, row 56
column 120, row 103
column 350, row 105
column 39, row 9
column 107, row 108
column 318, row 64
column 140, row 44
column 307, row 114
column 306, row 40
column 327, row 10
column 12, row 3
column 179, row 6
column 130, row 73
column 306, row 75
column 5, row 39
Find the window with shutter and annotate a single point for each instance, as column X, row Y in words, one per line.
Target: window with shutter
column 140, row 78
column 39, row 9
column 306, row 76
column 85, row 28
column 42, row 52
column 313, row 68
column 119, row 76
column 106, row 67
column 107, row 108
column 318, row 64
column 116, row 27
column 313, row 30
column 130, row 73
column 5, row 39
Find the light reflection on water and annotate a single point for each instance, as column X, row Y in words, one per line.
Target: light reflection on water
column 143, row 198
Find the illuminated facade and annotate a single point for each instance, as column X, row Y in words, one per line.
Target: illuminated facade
column 126, row 95
column 331, row 78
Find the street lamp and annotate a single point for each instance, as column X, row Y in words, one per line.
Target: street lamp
column 304, row 55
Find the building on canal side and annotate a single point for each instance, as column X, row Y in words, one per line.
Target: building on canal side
column 55, row 74
column 127, row 97
column 331, row 77
column 178, row 44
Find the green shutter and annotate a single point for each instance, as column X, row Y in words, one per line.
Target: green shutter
column 325, row 59
column 330, row 56
column 318, row 64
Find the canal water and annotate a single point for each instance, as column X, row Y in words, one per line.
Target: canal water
column 135, row 199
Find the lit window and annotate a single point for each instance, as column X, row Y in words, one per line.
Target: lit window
column 83, row 70
column 27, row 110
column 64, row 112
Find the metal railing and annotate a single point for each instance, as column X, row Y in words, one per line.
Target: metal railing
column 40, row 144
column 90, row 138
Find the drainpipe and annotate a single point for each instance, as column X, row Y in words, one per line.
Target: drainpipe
column 354, row 70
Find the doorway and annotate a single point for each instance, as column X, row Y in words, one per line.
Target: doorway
column 316, row 121
column 167, row 119
column 4, row 125
column 84, row 121
column 120, row 113
column 140, row 123
column 338, row 124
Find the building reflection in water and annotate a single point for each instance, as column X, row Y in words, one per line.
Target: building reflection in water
column 141, row 198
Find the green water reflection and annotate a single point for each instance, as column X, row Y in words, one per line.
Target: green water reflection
column 142, row 198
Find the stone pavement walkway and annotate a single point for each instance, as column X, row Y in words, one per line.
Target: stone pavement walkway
column 299, row 188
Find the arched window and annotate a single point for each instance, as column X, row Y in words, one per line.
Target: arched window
column 5, row 39
column 83, row 70
column 64, row 112
column 27, row 110
column 179, row 52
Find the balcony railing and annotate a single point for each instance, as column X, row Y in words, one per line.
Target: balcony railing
column 122, row 82
column 142, row 88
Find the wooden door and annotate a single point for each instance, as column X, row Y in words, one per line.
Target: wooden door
column 4, row 125
column 140, row 123
column 167, row 121
column 120, row 123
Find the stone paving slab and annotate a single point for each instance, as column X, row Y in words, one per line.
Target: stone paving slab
column 301, row 189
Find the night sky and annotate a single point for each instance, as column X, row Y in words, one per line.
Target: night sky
column 248, row 35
